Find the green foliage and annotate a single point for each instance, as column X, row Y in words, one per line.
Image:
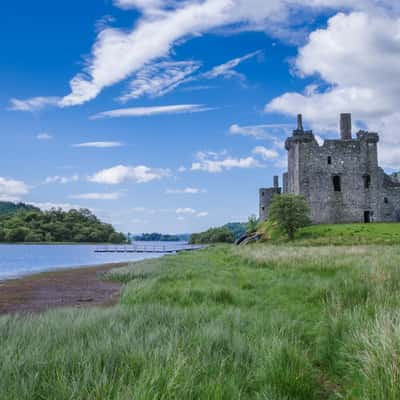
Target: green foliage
column 7, row 207
column 213, row 235
column 159, row 237
column 227, row 233
column 255, row 322
column 27, row 225
column 349, row 234
column 290, row 213
column 252, row 224
column 238, row 229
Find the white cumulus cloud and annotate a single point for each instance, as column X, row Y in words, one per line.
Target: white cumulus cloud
column 265, row 153
column 218, row 162
column 358, row 57
column 12, row 190
column 122, row 173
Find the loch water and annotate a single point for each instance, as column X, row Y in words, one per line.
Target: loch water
column 21, row 260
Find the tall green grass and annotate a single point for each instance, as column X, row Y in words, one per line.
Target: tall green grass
column 258, row 322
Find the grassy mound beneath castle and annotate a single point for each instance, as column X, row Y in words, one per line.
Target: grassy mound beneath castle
column 257, row 322
column 350, row 234
column 337, row 234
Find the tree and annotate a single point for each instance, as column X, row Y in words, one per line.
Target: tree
column 252, row 224
column 290, row 212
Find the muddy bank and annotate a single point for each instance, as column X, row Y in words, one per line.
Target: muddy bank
column 77, row 287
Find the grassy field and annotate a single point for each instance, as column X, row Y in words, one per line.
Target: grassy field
column 349, row 234
column 258, row 322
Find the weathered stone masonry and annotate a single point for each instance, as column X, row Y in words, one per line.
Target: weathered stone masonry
column 341, row 179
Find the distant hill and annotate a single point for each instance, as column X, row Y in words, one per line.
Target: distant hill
column 25, row 223
column 159, row 237
column 7, row 207
column 227, row 233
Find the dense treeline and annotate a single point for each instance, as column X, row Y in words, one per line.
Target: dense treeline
column 56, row 226
column 7, row 207
column 159, row 237
column 213, row 235
column 224, row 234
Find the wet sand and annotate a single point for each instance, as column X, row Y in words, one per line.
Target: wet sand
column 76, row 287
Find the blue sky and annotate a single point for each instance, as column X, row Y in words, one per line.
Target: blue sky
column 163, row 115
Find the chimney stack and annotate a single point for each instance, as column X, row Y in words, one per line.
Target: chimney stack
column 276, row 182
column 300, row 123
column 345, row 126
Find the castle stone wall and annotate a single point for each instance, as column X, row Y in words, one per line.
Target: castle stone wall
column 341, row 179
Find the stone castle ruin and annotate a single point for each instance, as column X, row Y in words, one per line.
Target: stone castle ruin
column 341, row 180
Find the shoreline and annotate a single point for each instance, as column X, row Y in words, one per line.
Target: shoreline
column 69, row 287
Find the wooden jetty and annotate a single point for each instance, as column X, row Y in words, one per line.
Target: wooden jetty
column 147, row 248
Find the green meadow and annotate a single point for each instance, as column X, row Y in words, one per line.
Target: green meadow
column 271, row 322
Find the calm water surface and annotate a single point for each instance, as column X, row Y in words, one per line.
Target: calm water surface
column 21, row 260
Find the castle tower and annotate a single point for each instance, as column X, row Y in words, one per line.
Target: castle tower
column 298, row 146
column 266, row 196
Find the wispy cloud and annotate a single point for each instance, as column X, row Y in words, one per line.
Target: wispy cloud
column 97, row 196
column 149, row 111
column 33, row 104
column 123, row 173
column 265, row 131
column 12, row 190
column 99, row 145
column 117, row 53
column 61, row 179
column 188, row 190
column 227, row 70
column 158, row 79
column 44, row 136
column 218, row 162
column 185, row 211
column 164, row 24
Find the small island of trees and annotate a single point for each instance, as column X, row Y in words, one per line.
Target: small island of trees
column 23, row 223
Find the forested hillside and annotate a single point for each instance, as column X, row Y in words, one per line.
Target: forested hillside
column 7, row 207
column 159, row 237
column 26, row 224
